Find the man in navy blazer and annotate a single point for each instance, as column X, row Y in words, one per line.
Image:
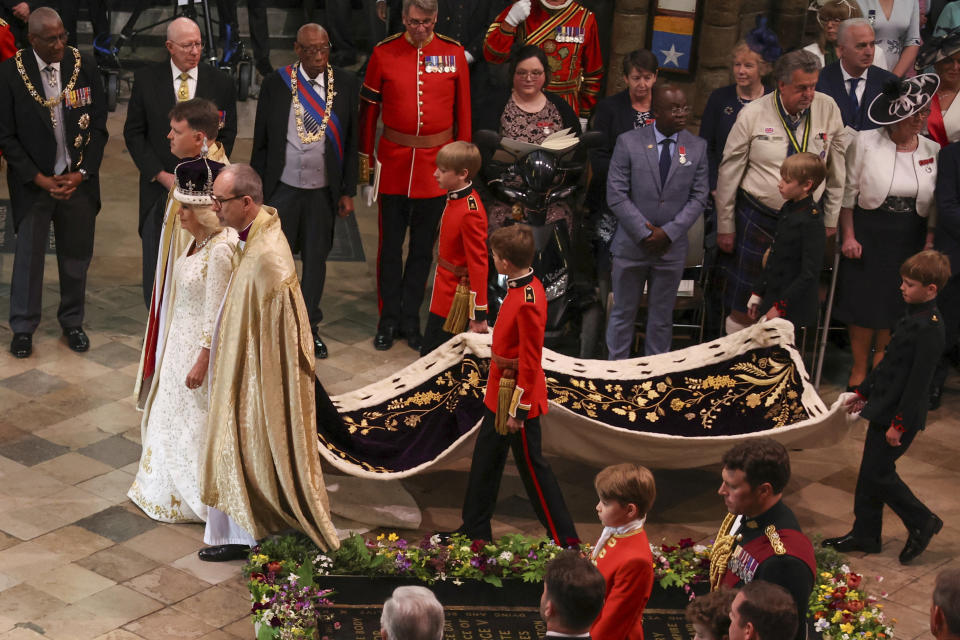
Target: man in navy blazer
column 947, row 240
column 855, row 68
column 657, row 188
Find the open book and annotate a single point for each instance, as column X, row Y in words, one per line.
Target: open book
column 557, row 141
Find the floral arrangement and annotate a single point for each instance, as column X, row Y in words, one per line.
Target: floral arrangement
column 839, row 605
column 287, row 604
column 430, row 559
column 684, row 565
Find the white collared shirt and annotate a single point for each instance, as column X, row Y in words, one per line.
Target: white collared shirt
column 191, row 80
column 861, row 86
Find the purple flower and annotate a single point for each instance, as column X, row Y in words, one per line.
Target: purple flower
column 532, row 555
column 401, row 544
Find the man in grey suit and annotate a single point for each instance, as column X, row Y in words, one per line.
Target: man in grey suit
column 657, row 188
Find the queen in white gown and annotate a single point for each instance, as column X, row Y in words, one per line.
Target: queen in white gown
column 175, row 417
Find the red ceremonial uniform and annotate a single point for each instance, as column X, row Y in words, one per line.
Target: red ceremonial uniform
column 518, row 334
column 571, row 41
column 424, row 97
column 627, row 567
column 463, row 244
column 7, row 45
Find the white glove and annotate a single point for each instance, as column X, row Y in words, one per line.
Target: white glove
column 367, row 194
column 583, row 125
column 466, row 54
column 518, row 12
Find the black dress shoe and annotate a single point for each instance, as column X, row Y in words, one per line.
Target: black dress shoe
column 22, row 345
column 918, row 539
column 934, row 401
column 77, row 339
column 224, row 552
column 414, row 339
column 383, row 340
column 850, row 542
column 319, row 349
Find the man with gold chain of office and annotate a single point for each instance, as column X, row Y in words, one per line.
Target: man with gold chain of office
column 760, row 538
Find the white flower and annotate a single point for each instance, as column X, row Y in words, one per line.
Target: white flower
column 845, row 568
column 458, row 582
column 699, row 548
column 435, row 539
column 506, row 557
column 267, row 616
column 292, row 578
column 465, row 548
column 821, row 625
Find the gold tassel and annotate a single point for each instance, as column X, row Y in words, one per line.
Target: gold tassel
column 504, row 400
column 456, row 321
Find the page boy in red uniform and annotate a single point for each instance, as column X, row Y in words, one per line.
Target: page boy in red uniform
column 460, row 281
column 516, row 396
column 622, row 554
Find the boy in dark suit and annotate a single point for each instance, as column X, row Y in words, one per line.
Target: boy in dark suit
column 789, row 283
column 516, row 396
column 460, row 281
column 893, row 398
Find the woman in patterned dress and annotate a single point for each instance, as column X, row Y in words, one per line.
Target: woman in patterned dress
column 175, row 415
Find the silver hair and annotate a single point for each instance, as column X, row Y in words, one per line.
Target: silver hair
column 246, row 181
column 946, row 595
column 177, row 24
column 412, row 613
column 42, row 17
column 427, row 6
column 846, row 25
column 799, row 60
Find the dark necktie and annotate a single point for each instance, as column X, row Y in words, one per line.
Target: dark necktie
column 854, row 103
column 664, row 159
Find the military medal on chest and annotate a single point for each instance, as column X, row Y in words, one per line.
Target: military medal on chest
column 50, row 103
column 682, row 152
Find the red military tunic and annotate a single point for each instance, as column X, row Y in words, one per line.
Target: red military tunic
column 518, row 334
column 627, row 567
column 422, row 92
column 571, row 41
column 7, row 45
column 462, row 243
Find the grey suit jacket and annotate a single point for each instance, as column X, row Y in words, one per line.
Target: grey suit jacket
column 636, row 197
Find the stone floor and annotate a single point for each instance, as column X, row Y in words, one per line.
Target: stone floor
column 78, row 560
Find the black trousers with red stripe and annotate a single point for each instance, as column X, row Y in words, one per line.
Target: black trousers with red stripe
column 486, row 471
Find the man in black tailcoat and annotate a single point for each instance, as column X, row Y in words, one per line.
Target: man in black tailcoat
column 155, row 90
column 306, row 154
column 52, row 132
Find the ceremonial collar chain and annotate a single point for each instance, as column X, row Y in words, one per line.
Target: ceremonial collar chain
column 49, row 103
column 313, row 136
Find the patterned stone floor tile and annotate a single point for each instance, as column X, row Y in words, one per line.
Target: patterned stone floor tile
column 73, row 433
column 29, row 450
column 115, row 451
column 72, row 468
column 118, row 563
column 111, row 486
column 165, row 543
column 25, row 603
column 117, row 523
column 51, row 512
column 166, row 584
column 34, row 383
column 242, row 628
column 70, row 583
column 113, row 355
column 212, row 572
column 114, row 417
column 21, row 633
column 169, row 624
column 34, row 415
column 119, row 634
column 120, row 602
column 220, row 634
column 26, row 482
column 71, row 543
column 7, row 581
column 217, row 606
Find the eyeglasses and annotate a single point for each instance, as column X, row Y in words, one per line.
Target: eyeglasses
column 52, row 40
column 679, row 111
column 410, row 22
column 923, row 113
column 190, row 46
column 529, row 74
column 313, row 51
column 218, row 201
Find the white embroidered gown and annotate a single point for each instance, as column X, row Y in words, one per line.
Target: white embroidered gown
column 174, row 423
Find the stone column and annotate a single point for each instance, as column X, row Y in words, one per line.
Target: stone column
column 629, row 33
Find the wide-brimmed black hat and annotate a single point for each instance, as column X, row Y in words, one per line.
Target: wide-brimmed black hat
column 900, row 99
column 936, row 49
column 194, row 180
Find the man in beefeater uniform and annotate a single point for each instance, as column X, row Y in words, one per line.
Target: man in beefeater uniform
column 403, row 71
column 567, row 33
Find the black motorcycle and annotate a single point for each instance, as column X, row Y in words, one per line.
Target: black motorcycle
column 530, row 182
